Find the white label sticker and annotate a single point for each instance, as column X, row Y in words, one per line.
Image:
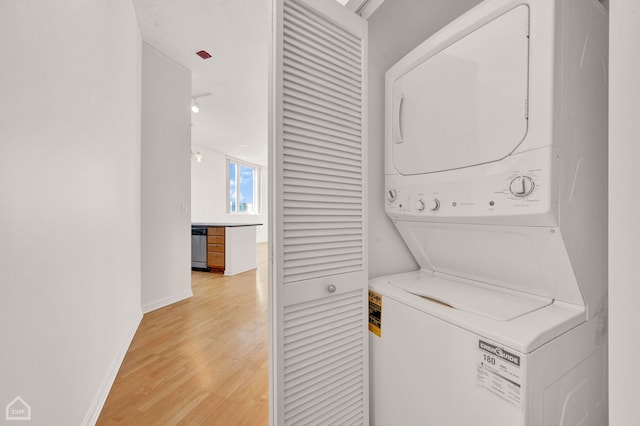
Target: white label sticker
column 500, row 373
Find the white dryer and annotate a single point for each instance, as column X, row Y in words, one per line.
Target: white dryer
column 496, row 179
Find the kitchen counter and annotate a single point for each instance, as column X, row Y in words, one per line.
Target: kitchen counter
column 231, row 247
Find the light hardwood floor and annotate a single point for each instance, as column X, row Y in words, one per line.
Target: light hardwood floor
column 202, row 361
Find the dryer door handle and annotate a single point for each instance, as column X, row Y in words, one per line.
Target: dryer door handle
column 398, row 103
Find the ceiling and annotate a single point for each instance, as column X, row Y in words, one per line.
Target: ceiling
column 234, row 119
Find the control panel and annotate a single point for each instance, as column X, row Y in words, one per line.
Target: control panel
column 518, row 192
column 518, row 189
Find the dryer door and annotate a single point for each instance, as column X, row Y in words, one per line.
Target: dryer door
column 466, row 104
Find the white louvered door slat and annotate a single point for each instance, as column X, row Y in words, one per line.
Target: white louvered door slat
column 304, row 135
column 319, row 351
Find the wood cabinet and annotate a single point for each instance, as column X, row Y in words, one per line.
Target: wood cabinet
column 230, row 247
column 216, row 247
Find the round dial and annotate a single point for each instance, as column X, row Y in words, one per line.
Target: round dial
column 522, row 186
column 392, row 195
column 421, row 205
column 434, row 205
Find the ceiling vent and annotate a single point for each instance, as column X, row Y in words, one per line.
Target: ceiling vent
column 203, row 54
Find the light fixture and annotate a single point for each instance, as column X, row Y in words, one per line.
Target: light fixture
column 195, row 107
column 197, row 156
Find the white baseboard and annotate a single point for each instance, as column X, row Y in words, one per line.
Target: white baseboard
column 166, row 301
column 103, row 391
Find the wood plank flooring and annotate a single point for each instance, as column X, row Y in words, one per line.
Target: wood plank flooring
column 202, row 361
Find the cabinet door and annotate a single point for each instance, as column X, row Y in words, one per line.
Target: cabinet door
column 218, row 230
column 215, row 260
column 216, row 247
column 318, row 282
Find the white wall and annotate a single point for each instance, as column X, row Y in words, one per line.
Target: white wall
column 624, row 205
column 209, row 189
column 166, row 180
column 69, row 202
column 395, row 28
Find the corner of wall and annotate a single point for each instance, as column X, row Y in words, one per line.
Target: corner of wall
column 165, row 180
column 105, row 387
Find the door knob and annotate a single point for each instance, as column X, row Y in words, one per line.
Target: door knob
column 331, row 288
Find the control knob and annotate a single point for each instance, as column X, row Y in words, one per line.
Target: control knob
column 522, row 186
column 433, row 205
column 392, row 195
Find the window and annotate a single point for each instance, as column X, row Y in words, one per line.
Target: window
column 243, row 187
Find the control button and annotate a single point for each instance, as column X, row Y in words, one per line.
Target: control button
column 421, row 206
column 434, row 205
column 522, row 186
column 392, row 195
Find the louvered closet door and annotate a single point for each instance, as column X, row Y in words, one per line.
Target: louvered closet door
column 319, row 308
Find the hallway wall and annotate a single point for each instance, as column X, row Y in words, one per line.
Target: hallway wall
column 70, row 203
column 624, row 204
column 166, row 186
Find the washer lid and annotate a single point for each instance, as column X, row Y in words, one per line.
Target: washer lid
column 524, row 333
column 494, row 303
column 465, row 104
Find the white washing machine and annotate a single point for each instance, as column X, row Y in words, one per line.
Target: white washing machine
column 496, row 179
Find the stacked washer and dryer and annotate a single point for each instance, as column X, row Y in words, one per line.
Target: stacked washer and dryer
column 496, row 179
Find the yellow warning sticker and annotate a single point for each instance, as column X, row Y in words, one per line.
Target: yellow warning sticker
column 375, row 313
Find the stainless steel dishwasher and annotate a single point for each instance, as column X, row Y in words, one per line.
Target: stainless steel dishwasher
column 199, row 248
